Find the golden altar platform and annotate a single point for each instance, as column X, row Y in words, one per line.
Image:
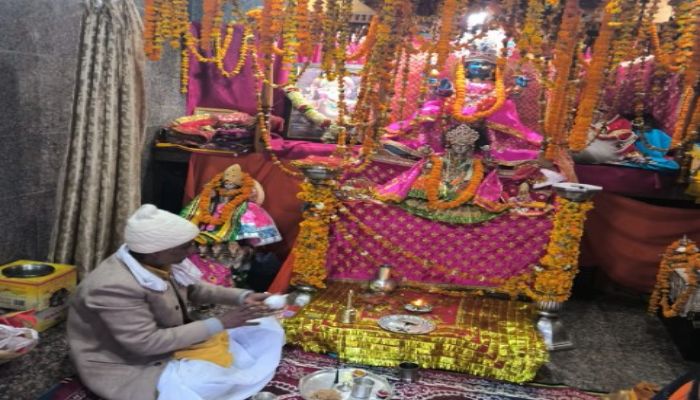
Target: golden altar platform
column 478, row 335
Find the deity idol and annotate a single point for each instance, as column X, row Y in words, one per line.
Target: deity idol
column 231, row 221
column 483, row 94
column 462, row 185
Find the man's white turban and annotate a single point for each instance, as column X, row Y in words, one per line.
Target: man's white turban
column 150, row 230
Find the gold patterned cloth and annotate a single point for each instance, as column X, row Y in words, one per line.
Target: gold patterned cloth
column 477, row 335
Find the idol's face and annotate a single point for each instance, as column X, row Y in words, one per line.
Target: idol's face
column 480, row 69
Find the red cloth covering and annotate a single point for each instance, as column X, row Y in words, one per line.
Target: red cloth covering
column 625, row 238
column 628, row 181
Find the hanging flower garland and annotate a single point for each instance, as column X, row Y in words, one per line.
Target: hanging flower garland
column 485, row 108
column 206, row 215
column 434, row 181
column 530, row 39
column 595, row 77
column 444, row 44
column 673, row 258
column 309, row 252
column 555, row 275
column 564, row 51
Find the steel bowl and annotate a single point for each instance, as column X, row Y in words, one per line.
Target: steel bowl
column 28, row 270
column 577, row 192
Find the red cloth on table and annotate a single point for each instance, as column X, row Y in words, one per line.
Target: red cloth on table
column 627, row 181
column 280, row 190
column 625, row 238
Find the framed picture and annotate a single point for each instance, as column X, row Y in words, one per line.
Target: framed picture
column 322, row 95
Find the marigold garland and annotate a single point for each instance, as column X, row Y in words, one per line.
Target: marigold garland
column 205, row 214
column 434, row 180
column 530, row 40
column 443, row 46
column 309, row 252
column 564, row 51
column 554, row 277
column 485, row 108
column 689, row 261
column 660, row 56
column 595, row 77
column 683, row 110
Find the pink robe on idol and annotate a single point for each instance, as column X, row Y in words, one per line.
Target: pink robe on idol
column 511, row 143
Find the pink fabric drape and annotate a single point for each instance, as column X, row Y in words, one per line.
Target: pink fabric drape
column 209, row 88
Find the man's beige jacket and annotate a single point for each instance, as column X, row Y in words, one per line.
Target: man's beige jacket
column 121, row 334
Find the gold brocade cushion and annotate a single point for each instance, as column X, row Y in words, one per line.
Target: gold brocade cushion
column 215, row 350
column 477, row 335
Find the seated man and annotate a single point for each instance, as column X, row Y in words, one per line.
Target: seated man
column 130, row 335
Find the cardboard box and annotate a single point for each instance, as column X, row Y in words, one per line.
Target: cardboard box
column 39, row 293
column 39, row 321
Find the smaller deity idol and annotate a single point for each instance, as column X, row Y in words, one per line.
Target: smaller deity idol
column 231, row 221
column 635, row 144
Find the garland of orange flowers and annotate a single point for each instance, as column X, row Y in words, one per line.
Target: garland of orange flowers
column 530, row 40
column 303, row 31
column 461, row 87
column 204, row 215
column 661, row 57
column 242, row 53
column 685, row 57
column 434, row 180
column 555, row 275
column 689, row 261
column 564, row 51
column 263, row 122
column 184, row 70
column 683, row 110
column 595, row 77
column 311, row 247
column 443, row 46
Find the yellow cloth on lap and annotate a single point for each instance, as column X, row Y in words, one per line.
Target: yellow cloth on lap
column 215, row 350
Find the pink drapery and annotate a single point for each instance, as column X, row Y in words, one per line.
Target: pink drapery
column 207, row 87
column 473, row 255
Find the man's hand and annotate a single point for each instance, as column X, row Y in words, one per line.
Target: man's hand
column 241, row 315
column 256, row 298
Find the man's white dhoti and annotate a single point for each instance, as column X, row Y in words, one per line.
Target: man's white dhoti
column 256, row 350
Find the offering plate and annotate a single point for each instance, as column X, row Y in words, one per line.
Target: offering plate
column 324, row 379
column 425, row 308
column 410, row 324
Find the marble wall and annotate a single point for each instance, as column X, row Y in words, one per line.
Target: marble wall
column 39, row 41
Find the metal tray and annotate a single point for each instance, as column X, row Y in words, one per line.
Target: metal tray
column 403, row 323
column 323, row 379
column 28, row 270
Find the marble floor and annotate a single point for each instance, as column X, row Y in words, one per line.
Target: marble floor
column 617, row 346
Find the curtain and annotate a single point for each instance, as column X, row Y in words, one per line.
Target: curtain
column 99, row 185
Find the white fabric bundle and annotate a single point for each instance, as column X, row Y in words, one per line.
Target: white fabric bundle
column 256, row 350
column 15, row 339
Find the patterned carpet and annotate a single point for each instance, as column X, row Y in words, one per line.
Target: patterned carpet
column 432, row 385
